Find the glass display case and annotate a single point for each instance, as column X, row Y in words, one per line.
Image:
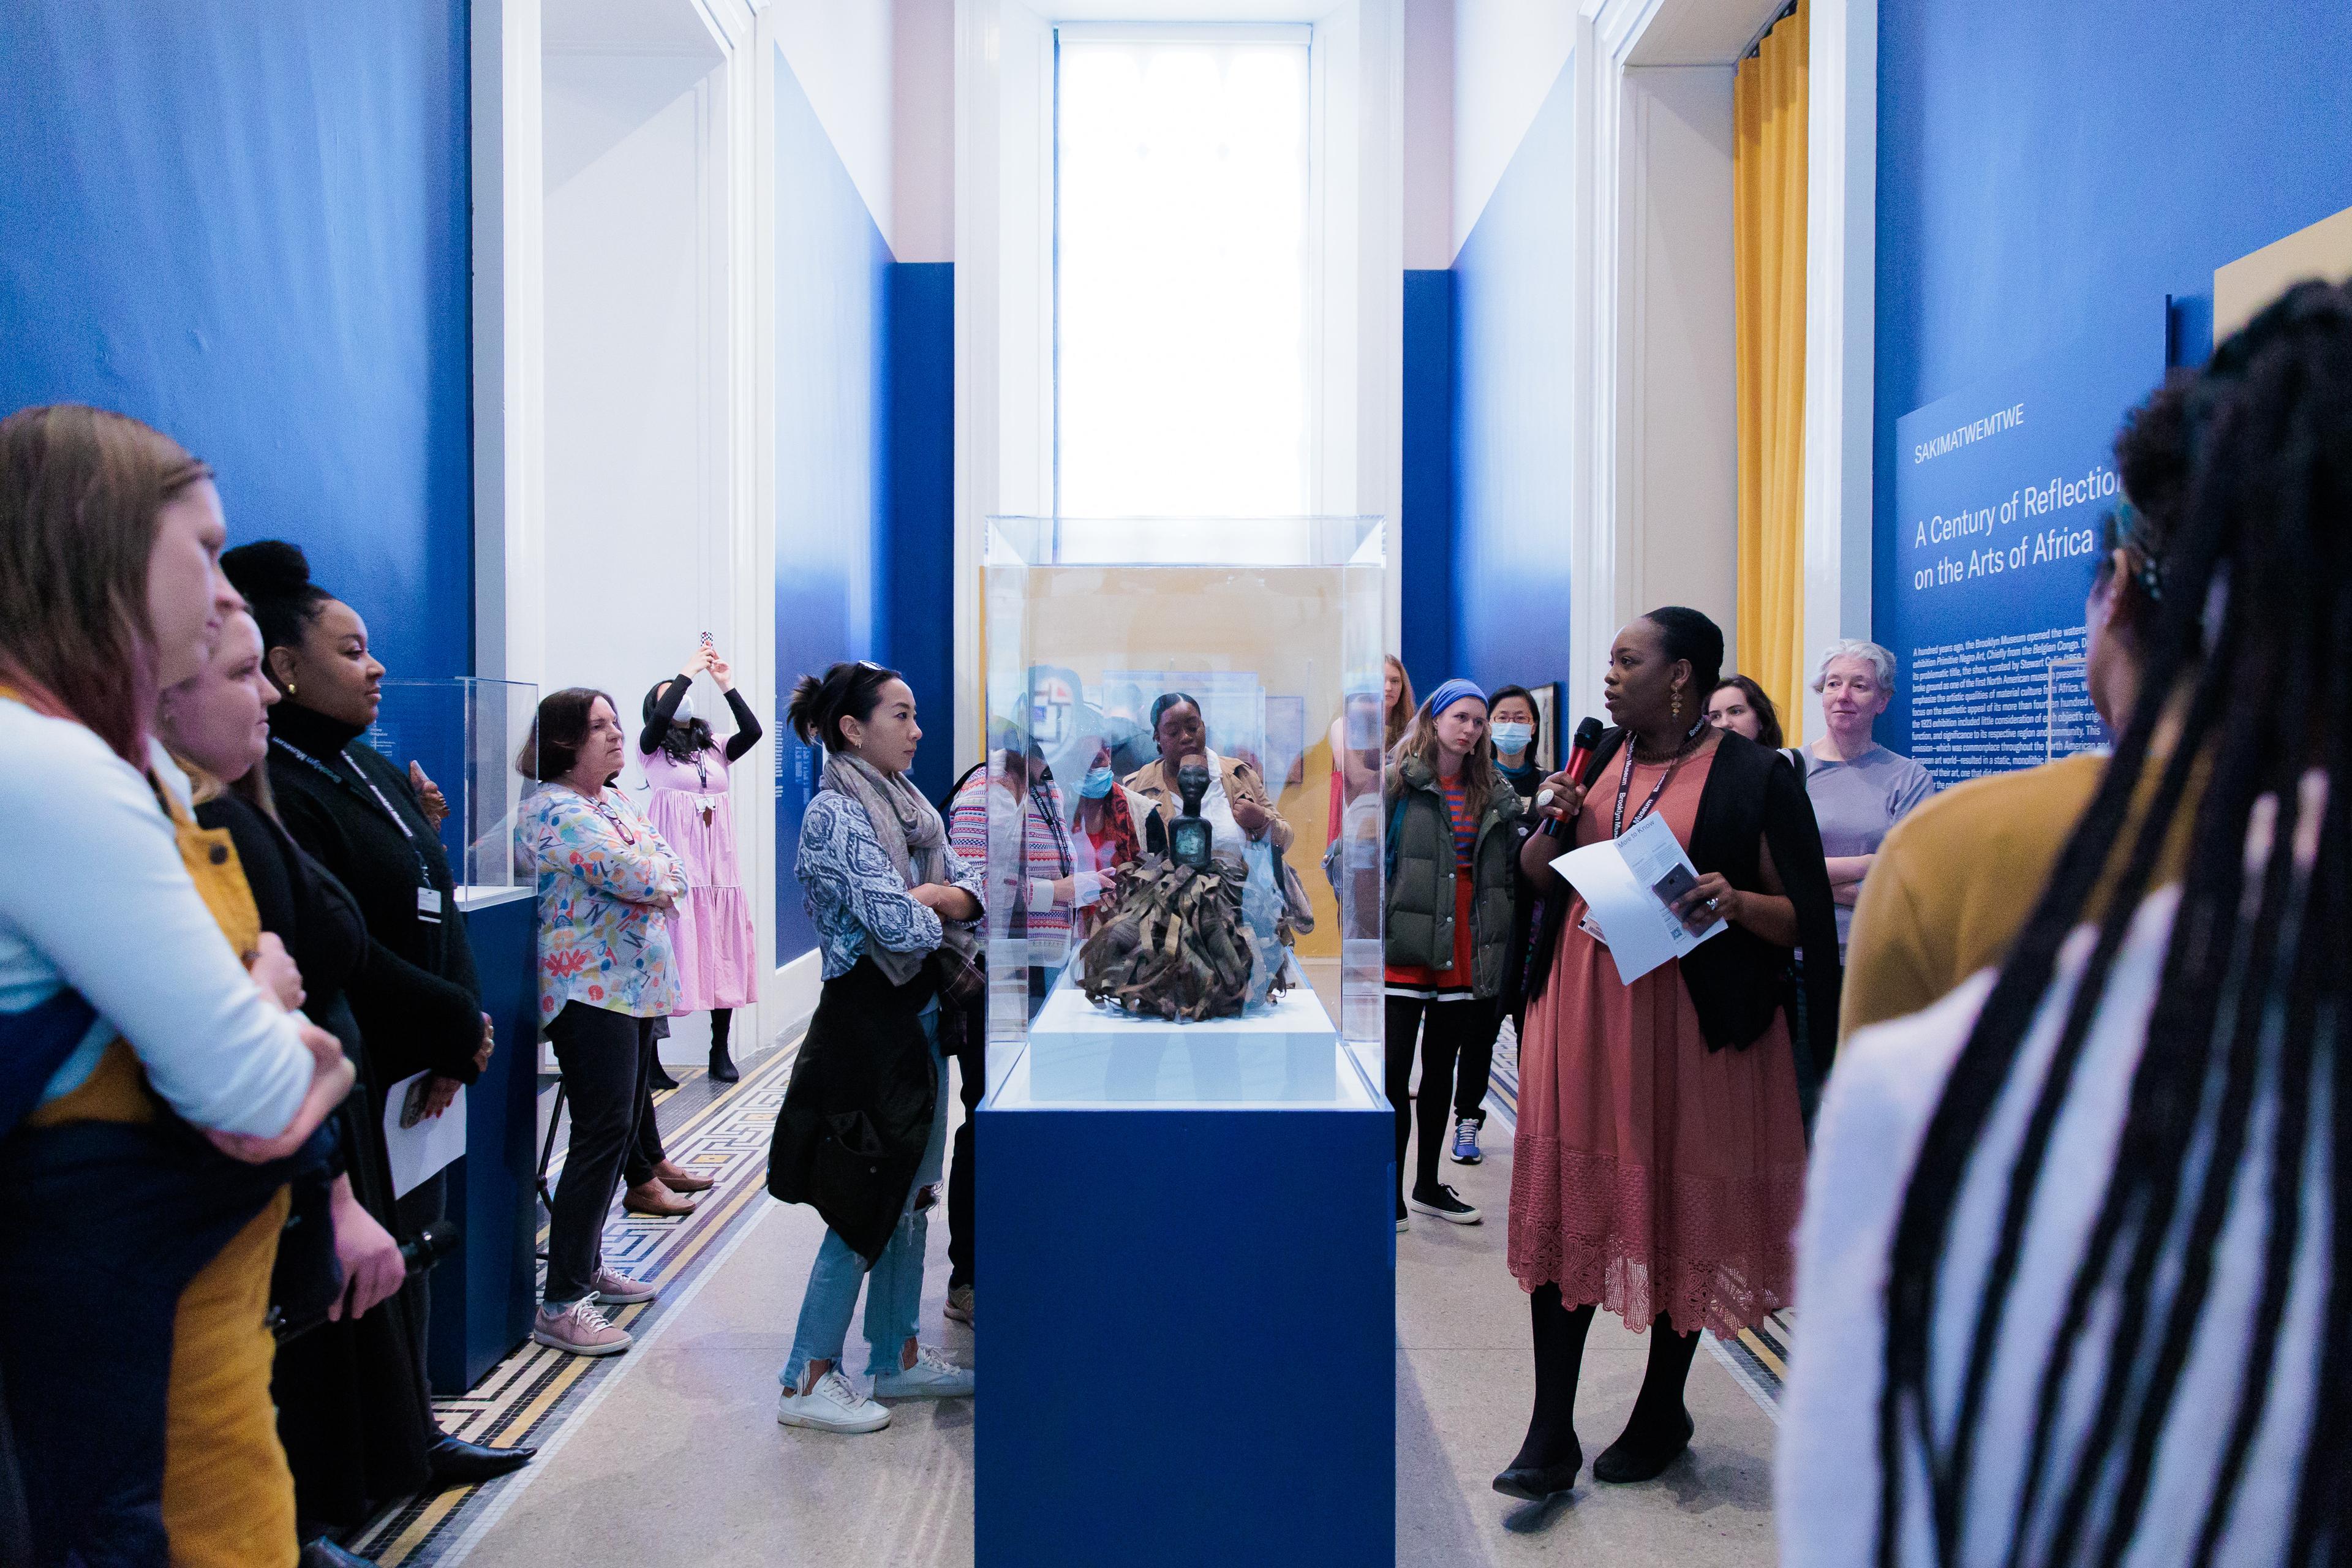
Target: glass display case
column 466, row 734
column 1264, row 637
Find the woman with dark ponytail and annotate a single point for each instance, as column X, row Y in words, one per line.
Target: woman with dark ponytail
column 862, row 1134
column 2076, row 1255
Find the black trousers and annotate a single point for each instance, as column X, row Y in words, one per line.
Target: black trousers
column 605, row 1056
column 971, row 1071
column 1453, row 1030
column 645, row 1150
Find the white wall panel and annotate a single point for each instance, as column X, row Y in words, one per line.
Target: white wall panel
column 1506, row 55
column 843, row 52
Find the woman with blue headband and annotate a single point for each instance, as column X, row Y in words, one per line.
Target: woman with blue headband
column 1450, row 892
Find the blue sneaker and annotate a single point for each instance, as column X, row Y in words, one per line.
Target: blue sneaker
column 1465, row 1140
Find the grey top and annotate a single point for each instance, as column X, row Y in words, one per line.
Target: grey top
column 1858, row 803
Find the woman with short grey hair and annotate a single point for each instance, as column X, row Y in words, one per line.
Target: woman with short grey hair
column 1860, row 790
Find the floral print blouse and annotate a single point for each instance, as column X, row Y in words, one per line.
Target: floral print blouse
column 603, row 941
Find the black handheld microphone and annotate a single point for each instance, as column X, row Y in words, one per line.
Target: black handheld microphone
column 1587, row 736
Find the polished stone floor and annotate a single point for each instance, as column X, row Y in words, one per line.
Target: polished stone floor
column 676, row 1457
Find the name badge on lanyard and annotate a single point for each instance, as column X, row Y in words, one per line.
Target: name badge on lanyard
column 428, row 904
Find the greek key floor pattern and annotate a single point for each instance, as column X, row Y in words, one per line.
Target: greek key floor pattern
column 535, row 1393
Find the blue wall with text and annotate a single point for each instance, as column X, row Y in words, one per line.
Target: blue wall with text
column 244, row 222
column 1512, row 392
column 2048, row 170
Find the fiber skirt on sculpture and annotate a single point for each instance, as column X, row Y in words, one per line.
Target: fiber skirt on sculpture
column 717, row 955
column 1649, row 1174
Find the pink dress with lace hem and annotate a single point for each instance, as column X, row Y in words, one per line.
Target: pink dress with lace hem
column 1649, row 1174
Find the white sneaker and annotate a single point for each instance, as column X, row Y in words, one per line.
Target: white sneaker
column 615, row 1288
column 579, row 1329
column 933, row 1376
column 833, row 1406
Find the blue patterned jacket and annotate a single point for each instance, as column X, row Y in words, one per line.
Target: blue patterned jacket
column 854, row 895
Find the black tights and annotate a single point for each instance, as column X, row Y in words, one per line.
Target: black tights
column 1454, row 1029
column 1559, row 1355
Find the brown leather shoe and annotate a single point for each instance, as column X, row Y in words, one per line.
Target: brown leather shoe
column 679, row 1179
column 653, row 1198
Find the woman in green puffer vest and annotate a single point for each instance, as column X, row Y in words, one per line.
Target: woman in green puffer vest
column 1450, row 889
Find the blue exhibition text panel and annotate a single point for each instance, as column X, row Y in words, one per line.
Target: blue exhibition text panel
column 2002, row 493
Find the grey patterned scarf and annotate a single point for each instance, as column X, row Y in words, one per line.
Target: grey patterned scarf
column 911, row 834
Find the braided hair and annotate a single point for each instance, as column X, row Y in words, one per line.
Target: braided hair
column 2250, row 653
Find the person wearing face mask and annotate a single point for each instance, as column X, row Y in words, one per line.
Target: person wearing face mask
column 354, row 1411
column 710, row 930
column 1516, row 730
column 375, row 826
column 607, row 885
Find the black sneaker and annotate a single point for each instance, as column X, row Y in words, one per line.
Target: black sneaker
column 1445, row 1203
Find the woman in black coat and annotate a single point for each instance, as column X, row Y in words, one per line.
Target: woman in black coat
column 415, row 998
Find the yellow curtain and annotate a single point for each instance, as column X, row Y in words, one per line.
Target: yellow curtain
column 1768, row 229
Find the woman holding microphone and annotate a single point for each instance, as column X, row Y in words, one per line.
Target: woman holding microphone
column 1660, row 1157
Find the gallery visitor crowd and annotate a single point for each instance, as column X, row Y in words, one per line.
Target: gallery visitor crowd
column 2028, row 1094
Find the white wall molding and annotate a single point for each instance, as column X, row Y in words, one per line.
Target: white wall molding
column 1651, row 424
column 1841, row 322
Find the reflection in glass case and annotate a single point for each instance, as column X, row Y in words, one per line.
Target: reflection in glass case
column 1224, row 956
column 466, row 734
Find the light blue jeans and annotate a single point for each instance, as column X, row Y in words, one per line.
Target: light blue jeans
column 893, row 1292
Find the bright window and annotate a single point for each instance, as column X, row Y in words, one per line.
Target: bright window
column 1182, row 255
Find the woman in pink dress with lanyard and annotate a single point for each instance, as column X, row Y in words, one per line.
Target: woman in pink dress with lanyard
column 1660, row 1159
column 711, row 928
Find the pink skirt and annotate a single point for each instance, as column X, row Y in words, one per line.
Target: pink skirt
column 716, row 953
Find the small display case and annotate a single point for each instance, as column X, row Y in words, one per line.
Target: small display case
column 467, row 735
column 1271, row 630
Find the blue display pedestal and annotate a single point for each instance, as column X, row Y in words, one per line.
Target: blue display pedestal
column 483, row 1296
column 1192, row 1331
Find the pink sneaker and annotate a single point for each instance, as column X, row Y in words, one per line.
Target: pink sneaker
column 580, row 1330
column 614, row 1289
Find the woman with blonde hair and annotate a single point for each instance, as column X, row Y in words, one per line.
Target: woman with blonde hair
column 145, row 1255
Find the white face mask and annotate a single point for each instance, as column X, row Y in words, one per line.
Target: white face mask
column 1511, row 737
column 684, row 711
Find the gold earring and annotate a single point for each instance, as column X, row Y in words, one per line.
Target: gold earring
column 1678, row 704
column 289, row 689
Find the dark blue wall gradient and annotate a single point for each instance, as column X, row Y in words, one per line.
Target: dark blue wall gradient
column 1512, row 310
column 2044, row 168
column 833, row 447
column 244, row 222
column 918, row 566
column 1425, row 536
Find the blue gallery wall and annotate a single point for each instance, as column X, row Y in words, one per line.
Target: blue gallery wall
column 917, row 567
column 1512, row 392
column 833, row 446
column 244, row 222
column 1424, row 533
column 2043, row 169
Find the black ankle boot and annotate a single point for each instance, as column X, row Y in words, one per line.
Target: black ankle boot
column 1643, row 1450
column 1539, row 1483
column 1660, row 1427
column 659, row 1078
column 722, row 1066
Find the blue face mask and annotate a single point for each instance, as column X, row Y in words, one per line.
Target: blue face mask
column 1511, row 737
column 1096, row 783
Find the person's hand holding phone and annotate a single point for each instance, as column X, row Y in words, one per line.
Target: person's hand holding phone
column 372, row 1267
column 429, row 798
column 1710, row 899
